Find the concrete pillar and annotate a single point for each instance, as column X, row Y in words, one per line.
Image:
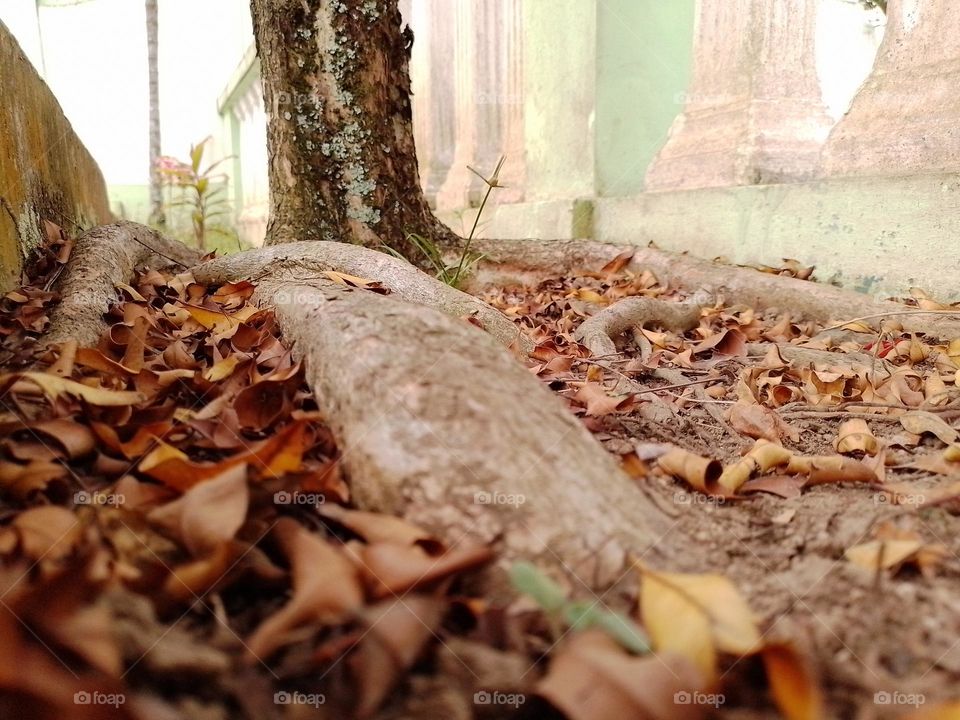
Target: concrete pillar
column 753, row 114
column 488, row 94
column 906, row 117
column 560, row 60
column 499, row 98
column 456, row 190
column 434, row 110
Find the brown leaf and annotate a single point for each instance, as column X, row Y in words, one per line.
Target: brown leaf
column 54, row 387
column 598, row 403
column 700, row 472
column 390, row 568
column 785, row 486
column 209, row 513
column 792, row 683
column 377, row 527
column 757, row 421
column 326, row 588
column 919, row 422
column 593, row 678
column 397, row 632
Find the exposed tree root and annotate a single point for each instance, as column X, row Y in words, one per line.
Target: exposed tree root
column 308, row 261
column 600, row 332
column 101, row 259
column 519, row 260
column 436, row 421
column 805, row 356
column 441, row 426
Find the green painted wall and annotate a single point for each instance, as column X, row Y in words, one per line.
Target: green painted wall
column 644, row 50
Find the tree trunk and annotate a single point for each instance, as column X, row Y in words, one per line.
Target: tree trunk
column 156, row 191
column 340, row 135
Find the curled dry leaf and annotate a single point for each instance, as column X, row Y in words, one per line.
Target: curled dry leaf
column 593, row 678
column 757, row 421
column 854, row 436
column 208, row 514
column 376, row 527
column 391, row 569
column 919, row 422
column 326, row 588
column 53, row 387
column 700, row 472
column 598, row 403
column 397, row 631
column 696, row 616
column 830, row 469
column 762, row 457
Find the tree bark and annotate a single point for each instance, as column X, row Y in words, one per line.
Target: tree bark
column 343, row 165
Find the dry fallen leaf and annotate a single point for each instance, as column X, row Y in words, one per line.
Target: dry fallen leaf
column 700, row 472
column 854, row 436
column 593, row 678
column 209, row 513
column 792, row 683
column 326, row 589
column 696, row 616
column 919, row 422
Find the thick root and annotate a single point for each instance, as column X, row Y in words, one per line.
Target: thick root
column 309, row 260
column 519, row 261
column 441, row 426
column 103, row 258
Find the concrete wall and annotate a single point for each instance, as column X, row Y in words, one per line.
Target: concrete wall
column 45, row 171
column 643, row 70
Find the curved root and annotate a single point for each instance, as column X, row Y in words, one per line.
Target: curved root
column 309, row 260
column 103, row 258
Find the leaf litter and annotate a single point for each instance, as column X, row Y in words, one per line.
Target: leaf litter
column 178, row 541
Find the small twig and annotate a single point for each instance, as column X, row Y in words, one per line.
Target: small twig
column 840, row 414
column 157, row 252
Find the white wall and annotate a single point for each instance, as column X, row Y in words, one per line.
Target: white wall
column 847, row 40
column 96, row 64
column 20, row 17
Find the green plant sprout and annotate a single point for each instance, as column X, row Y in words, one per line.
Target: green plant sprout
column 576, row 614
column 201, row 190
column 453, row 275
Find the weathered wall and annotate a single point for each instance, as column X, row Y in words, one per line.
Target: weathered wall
column 45, row 171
